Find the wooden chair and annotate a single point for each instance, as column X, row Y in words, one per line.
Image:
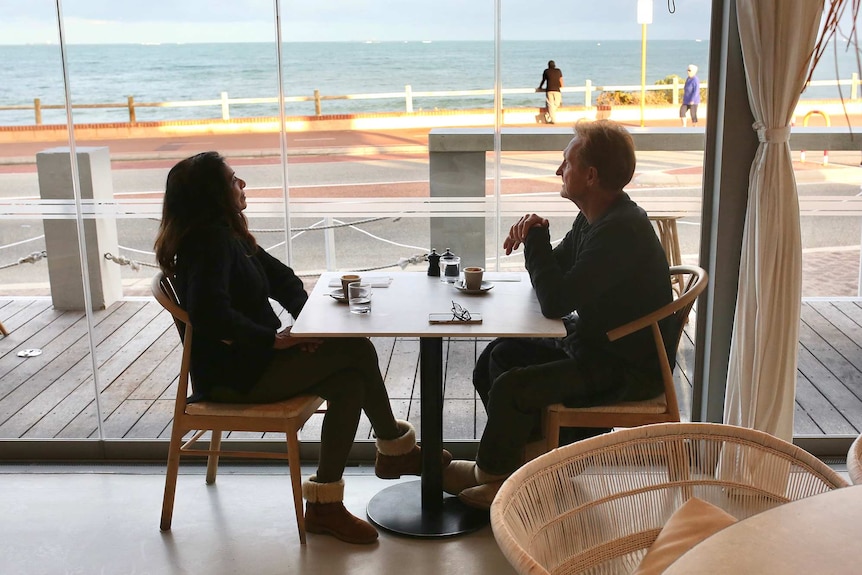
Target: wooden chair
column 668, row 235
column 663, row 408
column 199, row 417
column 854, row 461
column 596, row 506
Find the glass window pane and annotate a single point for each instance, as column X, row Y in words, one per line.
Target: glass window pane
column 45, row 364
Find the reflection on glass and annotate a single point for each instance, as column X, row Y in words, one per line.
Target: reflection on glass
column 365, row 87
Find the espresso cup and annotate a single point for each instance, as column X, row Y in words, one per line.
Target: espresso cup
column 360, row 297
column 473, row 278
column 346, row 279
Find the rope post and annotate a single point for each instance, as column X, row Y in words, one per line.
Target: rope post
column 674, row 97
column 317, row 103
column 225, row 107
column 825, row 157
column 588, row 94
column 854, row 86
column 133, row 119
column 329, row 244
column 408, row 97
column 37, row 107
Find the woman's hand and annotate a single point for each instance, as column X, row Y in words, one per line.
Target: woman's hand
column 518, row 232
column 283, row 340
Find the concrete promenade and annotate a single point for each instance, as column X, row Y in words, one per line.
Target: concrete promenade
column 337, row 146
column 354, row 135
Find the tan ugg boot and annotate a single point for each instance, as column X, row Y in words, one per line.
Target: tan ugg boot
column 325, row 513
column 480, row 496
column 401, row 456
column 460, row 475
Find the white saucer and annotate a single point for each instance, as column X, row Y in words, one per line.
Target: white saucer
column 482, row 289
column 338, row 295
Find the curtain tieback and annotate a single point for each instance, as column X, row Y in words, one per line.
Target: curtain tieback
column 771, row 135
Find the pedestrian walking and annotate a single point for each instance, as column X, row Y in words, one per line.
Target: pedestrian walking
column 690, row 96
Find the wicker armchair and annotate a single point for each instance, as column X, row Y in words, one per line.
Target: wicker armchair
column 596, row 506
column 854, row 461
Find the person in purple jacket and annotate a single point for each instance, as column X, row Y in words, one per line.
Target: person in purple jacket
column 690, row 96
column 240, row 354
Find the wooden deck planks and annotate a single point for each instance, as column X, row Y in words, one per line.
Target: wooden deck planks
column 37, row 384
column 75, row 415
column 829, row 387
column 461, row 403
column 138, row 350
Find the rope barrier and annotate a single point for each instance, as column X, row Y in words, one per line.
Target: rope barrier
column 30, row 259
column 402, row 263
column 124, row 261
column 136, row 265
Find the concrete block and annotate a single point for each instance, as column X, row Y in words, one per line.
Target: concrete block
column 61, row 235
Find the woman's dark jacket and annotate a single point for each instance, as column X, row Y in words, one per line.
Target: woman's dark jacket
column 224, row 284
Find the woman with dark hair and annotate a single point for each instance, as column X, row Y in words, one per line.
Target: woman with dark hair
column 224, row 281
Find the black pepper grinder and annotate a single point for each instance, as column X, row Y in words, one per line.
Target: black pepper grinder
column 434, row 263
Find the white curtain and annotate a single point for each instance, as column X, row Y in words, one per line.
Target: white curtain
column 777, row 38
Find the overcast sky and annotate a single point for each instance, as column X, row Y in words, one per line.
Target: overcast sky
column 118, row 21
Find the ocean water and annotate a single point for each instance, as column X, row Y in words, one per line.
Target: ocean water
column 180, row 72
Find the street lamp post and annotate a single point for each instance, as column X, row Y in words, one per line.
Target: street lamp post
column 644, row 18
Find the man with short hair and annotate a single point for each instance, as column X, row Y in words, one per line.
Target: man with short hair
column 552, row 80
column 609, row 270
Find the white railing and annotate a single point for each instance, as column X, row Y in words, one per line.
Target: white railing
column 408, row 95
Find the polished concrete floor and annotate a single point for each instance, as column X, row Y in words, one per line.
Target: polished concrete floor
column 103, row 519
column 77, row 519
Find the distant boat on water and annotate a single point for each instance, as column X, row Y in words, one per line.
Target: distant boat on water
column 426, row 41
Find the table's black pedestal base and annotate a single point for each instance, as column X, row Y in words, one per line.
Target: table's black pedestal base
column 399, row 509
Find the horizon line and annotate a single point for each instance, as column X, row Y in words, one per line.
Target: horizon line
column 355, row 41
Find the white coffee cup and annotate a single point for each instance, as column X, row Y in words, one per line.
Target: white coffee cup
column 473, row 278
column 346, row 280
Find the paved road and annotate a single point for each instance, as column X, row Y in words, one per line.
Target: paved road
column 251, row 145
column 390, row 163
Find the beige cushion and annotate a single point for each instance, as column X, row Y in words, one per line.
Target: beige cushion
column 288, row 408
column 689, row 525
column 654, row 405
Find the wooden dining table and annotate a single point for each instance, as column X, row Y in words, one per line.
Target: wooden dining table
column 818, row 534
column 508, row 308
